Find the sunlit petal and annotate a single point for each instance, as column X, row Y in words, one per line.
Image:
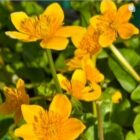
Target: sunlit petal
column 127, row 30
column 56, row 43
column 61, row 105
column 107, row 5
column 17, row 18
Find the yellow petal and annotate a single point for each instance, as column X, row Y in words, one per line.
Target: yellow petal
column 95, row 20
column 26, row 132
column 64, row 83
column 55, row 10
column 69, row 31
column 20, row 36
column 107, row 38
column 79, row 75
column 117, row 96
column 11, row 102
column 17, row 116
column 17, row 18
column 127, row 30
column 72, row 129
column 124, row 13
column 92, row 73
column 93, row 95
column 30, row 111
column 107, row 5
column 56, row 43
column 6, row 109
column 61, row 105
column 77, row 87
column 20, row 83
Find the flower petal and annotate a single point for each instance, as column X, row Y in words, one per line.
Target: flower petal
column 116, row 97
column 127, row 30
column 56, row 43
column 23, row 96
column 107, row 5
column 94, row 95
column 20, row 36
column 72, row 129
column 55, row 10
column 17, row 116
column 124, row 13
column 17, row 18
column 61, row 105
column 64, row 83
column 95, row 20
column 10, row 104
column 107, row 38
column 30, row 111
column 26, row 132
column 79, row 75
column 69, row 31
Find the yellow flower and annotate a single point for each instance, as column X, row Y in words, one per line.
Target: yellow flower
column 77, row 86
column 87, row 40
column 47, row 27
column 116, row 97
column 92, row 73
column 76, row 61
column 113, row 22
column 14, row 99
column 54, row 124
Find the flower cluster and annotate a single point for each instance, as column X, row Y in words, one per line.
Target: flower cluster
column 85, row 82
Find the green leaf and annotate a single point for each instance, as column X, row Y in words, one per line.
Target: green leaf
column 5, row 123
column 131, row 56
column 89, row 134
column 32, row 7
column 60, row 63
column 137, row 109
column 136, row 126
column 122, row 113
column 131, row 136
column 135, row 96
column 91, row 131
column 113, row 132
column 125, row 80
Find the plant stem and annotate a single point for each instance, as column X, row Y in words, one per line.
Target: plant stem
column 125, row 63
column 97, row 110
column 100, row 121
column 53, row 71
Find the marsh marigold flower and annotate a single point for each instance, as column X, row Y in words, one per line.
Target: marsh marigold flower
column 113, row 22
column 14, row 99
column 76, row 61
column 53, row 124
column 116, row 97
column 47, row 27
column 77, row 86
column 92, row 73
column 87, row 44
column 87, row 41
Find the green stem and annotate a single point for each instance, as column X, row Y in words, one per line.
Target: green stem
column 53, row 71
column 125, row 63
column 97, row 110
column 100, row 121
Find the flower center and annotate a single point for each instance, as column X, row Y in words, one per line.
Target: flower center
column 47, row 125
column 90, row 43
column 29, row 26
column 107, row 21
column 48, row 25
column 40, row 27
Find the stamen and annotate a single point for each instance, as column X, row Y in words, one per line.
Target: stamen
column 47, row 124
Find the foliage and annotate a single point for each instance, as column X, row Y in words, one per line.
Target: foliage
column 29, row 62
